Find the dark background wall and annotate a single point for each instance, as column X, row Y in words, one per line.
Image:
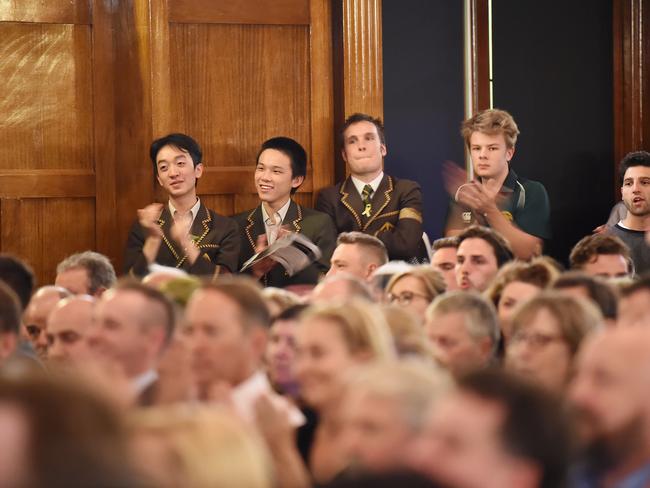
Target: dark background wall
column 553, row 72
column 423, row 95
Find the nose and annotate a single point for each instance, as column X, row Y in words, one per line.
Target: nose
column 483, row 153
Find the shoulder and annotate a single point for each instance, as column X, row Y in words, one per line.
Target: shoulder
column 330, row 191
column 242, row 217
column 400, row 184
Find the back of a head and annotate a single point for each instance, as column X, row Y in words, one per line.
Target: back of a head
column 10, row 311
column 101, row 273
column 502, row 250
column 597, row 289
column 248, row 297
column 341, row 287
column 534, row 425
column 408, row 334
column 19, row 276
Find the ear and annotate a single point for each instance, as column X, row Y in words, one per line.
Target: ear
column 510, row 153
column 370, row 270
column 158, row 179
column 198, row 170
column 258, row 338
column 8, row 343
column 343, row 155
column 486, row 348
column 383, row 150
column 297, row 181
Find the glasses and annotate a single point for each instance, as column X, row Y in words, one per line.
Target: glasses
column 406, row 297
column 535, row 340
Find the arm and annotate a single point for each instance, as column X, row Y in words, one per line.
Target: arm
column 226, row 255
column 325, row 239
column 403, row 241
column 144, row 240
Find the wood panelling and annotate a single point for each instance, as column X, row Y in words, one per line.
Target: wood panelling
column 222, row 204
column 478, row 74
column 46, row 183
column 362, row 60
column 254, row 85
column 294, row 12
column 46, row 86
column 46, row 11
column 44, row 231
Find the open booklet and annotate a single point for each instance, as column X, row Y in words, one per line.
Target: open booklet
column 293, row 251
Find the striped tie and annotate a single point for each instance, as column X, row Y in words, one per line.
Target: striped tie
column 365, row 197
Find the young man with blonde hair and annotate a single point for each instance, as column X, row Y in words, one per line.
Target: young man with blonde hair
column 515, row 207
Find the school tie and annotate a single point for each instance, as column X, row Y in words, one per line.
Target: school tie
column 365, row 197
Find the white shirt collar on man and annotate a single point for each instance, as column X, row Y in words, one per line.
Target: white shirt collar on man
column 143, row 381
column 272, row 230
column 358, row 184
column 246, row 393
column 194, row 210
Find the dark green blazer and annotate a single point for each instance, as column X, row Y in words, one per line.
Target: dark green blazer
column 317, row 226
column 217, row 238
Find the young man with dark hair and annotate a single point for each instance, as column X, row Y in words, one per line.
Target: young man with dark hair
column 515, row 207
column 581, row 285
column 281, row 169
column 184, row 233
column 9, row 321
column 634, row 173
column 370, row 201
column 19, row 276
column 481, row 252
column 443, row 258
column 602, row 255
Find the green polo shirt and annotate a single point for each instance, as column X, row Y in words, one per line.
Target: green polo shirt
column 524, row 202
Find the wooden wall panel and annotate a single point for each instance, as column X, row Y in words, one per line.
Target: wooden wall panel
column 238, row 85
column 48, row 11
column 240, row 12
column 46, row 82
column 46, row 230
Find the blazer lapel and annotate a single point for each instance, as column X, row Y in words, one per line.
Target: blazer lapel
column 350, row 199
column 293, row 216
column 380, row 199
column 254, row 227
column 165, row 221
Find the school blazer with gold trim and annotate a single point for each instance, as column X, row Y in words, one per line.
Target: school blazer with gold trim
column 317, row 226
column 396, row 216
column 216, row 236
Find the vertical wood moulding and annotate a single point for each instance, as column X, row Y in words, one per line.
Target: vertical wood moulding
column 160, row 69
column 480, row 52
column 362, row 60
column 322, row 96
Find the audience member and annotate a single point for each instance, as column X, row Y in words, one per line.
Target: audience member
column 132, row 326
column 281, row 169
column 358, row 254
column 610, row 394
column 497, row 431
column 370, row 201
column 183, row 233
column 409, row 336
column 634, row 173
column 280, row 354
column 415, row 289
column 159, row 275
column 602, row 255
column 9, row 322
column 341, row 287
column 68, row 327
column 594, row 288
column 85, row 273
column 36, row 315
column 514, row 284
column 515, row 207
column 226, row 328
column 278, row 300
column 463, row 330
column 633, row 307
column 443, row 258
column 481, row 252
column 546, row 334
column 385, row 411
column 332, row 340
column 19, row 276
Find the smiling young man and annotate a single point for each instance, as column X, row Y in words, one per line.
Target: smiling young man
column 515, row 207
column 370, row 201
column 635, row 191
column 281, row 169
column 184, row 233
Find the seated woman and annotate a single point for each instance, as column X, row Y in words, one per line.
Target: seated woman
column 516, row 283
column 415, row 289
column 546, row 334
column 332, row 340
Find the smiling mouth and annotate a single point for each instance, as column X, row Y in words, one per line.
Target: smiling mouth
column 265, row 187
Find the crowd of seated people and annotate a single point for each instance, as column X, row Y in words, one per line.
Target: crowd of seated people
column 478, row 363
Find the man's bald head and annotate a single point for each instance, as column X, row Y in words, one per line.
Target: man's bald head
column 37, row 313
column 67, row 327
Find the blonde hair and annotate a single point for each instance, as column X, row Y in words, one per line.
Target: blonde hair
column 207, row 446
column 576, row 317
column 431, row 278
column 539, row 272
column 408, row 333
column 361, row 324
column 491, row 122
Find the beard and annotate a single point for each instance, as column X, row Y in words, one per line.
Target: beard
column 641, row 212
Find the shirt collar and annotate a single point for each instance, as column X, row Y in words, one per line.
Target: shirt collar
column 358, row 184
column 510, row 183
column 194, row 210
column 143, row 381
column 282, row 212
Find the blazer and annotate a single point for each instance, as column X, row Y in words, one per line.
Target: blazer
column 217, row 238
column 317, row 226
column 396, row 216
